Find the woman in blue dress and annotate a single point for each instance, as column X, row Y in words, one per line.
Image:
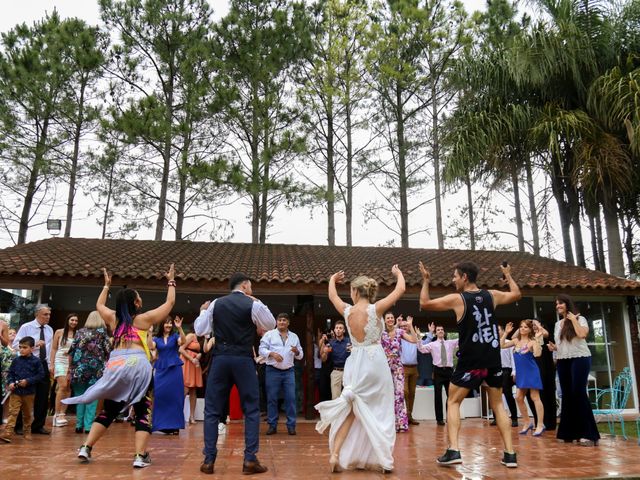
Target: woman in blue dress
column 527, row 347
column 168, row 401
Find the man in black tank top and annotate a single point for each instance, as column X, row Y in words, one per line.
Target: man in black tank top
column 479, row 349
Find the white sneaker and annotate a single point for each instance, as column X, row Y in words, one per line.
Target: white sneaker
column 84, row 454
column 141, row 461
column 222, row 428
column 59, row 420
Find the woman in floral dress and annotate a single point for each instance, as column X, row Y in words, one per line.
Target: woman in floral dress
column 392, row 345
column 87, row 357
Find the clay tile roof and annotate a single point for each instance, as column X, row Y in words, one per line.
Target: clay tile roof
column 311, row 264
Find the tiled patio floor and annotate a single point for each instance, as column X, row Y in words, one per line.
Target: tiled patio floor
column 305, row 456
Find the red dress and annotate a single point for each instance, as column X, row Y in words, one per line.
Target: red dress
column 192, row 374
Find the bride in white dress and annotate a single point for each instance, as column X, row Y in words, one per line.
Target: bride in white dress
column 362, row 419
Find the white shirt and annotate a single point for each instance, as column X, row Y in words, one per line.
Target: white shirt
column 506, row 358
column 260, row 315
column 272, row 341
column 32, row 329
column 575, row 348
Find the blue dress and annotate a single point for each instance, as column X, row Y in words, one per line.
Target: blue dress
column 168, row 390
column 527, row 371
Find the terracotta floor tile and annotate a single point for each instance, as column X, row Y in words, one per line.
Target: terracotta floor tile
column 306, row 456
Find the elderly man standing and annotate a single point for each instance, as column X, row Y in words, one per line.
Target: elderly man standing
column 42, row 334
column 233, row 319
column 280, row 347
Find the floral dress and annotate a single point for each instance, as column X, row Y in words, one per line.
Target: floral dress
column 88, row 354
column 392, row 347
column 6, row 357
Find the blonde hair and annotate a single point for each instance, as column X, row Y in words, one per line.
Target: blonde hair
column 366, row 287
column 94, row 320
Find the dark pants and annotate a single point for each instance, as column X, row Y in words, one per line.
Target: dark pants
column 227, row 370
column 576, row 416
column 277, row 380
column 142, row 409
column 548, row 392
column 425, row 370
column 441, row 379
column 323, row 377
column 507, row 391
column 40, row 403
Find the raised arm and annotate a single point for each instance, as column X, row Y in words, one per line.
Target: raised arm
column 337, row 302
column 504, row 343
column 410, row 335
column 581, row 330
column 513, row 295
column 452, row 301
column 160, row 314
column 178, row 323
column 390, row 300
column 108, row 315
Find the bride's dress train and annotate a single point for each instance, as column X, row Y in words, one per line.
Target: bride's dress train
column 368, row 392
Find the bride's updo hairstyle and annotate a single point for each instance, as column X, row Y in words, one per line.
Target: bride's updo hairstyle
column 366, row 287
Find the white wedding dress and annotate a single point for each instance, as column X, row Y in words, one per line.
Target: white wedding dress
column 368, row 390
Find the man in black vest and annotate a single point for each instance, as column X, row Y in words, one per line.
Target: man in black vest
column 233, row 320
column 479, row 349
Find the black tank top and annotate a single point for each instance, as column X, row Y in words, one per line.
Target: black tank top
column 479, row 343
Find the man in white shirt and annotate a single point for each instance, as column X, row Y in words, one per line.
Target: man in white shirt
column 280, row 347
column 441, row 351
column 42, row 335
column 234, row 320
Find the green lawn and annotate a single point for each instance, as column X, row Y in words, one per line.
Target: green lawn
column 629, row 428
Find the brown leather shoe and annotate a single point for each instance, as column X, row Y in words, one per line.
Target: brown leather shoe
column 413, row 422
column 249, row 468
column 207, row 468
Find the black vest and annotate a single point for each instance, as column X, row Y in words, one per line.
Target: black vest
column 232, row 325
column 479, row 343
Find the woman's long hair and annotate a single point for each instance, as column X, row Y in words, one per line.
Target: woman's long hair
column 125, row 312
column 65, row 331
column 567, row 332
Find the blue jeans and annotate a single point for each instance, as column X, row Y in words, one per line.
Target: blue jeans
column 225, row 371
column 285, row 380
column 85, row 414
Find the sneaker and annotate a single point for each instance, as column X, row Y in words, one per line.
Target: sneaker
column 509, row 460
column 60, row 420
column 450, row 457
column 84, row 454
column 141, row 461
column 222, row 428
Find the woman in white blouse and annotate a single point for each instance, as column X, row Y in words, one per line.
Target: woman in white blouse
column 574, row 363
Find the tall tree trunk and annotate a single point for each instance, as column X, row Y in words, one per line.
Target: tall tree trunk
column 255, row 166
column 349, row 199
column 533, row 211
column 600, row 239
column 435, row 146
column 402, row 173
column 574, row 208
column 182, row 178
column 107, row 206
column 594, row 241
column 472, row 228
column 331, row 201
column 557, row 187
column 33, row 179
column 74, row 162
column 517, row 207
column 627, row 227
column 614, row 243
column 166, row 158
column 264, row 200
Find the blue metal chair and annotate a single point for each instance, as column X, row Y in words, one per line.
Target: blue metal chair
column 610, row 402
